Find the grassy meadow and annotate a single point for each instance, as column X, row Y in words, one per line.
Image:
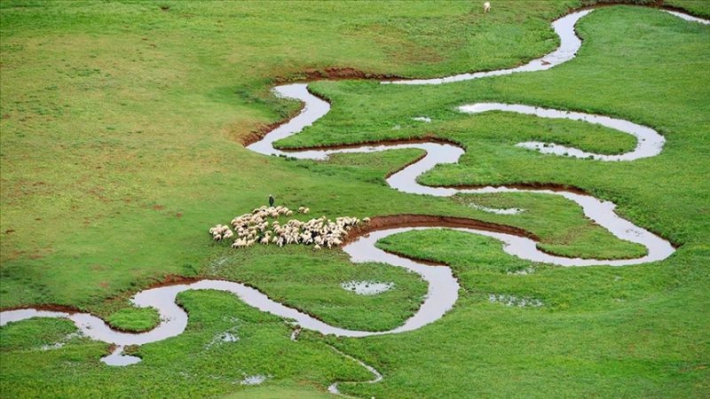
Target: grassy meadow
column 121, row 125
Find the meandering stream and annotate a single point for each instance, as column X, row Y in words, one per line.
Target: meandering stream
column 443, row 287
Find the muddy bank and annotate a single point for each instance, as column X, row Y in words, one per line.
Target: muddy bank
column 378, row 223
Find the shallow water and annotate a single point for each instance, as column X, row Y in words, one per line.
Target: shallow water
column 118, row 358
column 569, row 45
column 497, row 211
column 688, row 18
column 254, row 380
column 366, row 287
column 443, row 287
column 333, row 388
column 649, row 142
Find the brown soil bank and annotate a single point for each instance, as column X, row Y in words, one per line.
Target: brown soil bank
column 396, row 221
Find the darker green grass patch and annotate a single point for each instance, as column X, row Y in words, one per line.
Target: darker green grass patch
column 134, row 319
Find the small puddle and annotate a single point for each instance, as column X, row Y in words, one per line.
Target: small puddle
column 254, row 380
column 524, row 272
column 225, row 337
column 511, row 300
column 366, row 287
column 57, row 345
column 506, row 211
column 117, row 358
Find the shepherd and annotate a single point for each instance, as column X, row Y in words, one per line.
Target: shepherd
column 271, row 200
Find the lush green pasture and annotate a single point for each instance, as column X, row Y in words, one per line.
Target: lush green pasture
column 699, row 8
column 134, row 319
column 195, row 363
column 121, row 120
column 120, row 129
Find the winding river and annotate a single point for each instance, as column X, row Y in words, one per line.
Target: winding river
column 443, row 287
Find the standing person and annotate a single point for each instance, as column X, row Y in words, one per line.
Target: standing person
column 271, row 200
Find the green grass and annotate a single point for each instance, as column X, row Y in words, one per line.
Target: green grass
column 291, row 391
column 567, row 232
column 300, row 278
column 119, row 131
column 194, row 363
column 134, row 319
column 617, row 79
column 699, row 8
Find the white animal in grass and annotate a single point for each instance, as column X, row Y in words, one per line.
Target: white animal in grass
column 306, row 238
column 220, row 231
column 486, row 7
column 254, row 228
column 280, row 241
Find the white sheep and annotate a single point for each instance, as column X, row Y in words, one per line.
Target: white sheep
column 306, row 238
column 254, row 228
column 486, row 7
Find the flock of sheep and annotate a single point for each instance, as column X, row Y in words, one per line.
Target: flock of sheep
column 252, row 228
